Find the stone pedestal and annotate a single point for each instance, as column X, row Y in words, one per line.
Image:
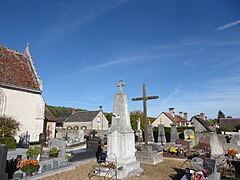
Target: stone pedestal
column 148, row 156
column 121, row 139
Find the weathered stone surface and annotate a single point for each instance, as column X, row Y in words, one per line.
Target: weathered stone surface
column 121, row 142
column 174, row 135
column 150, row 133
column 161, row 134
column 3, row 157
column 149, row 156
column 60, row 144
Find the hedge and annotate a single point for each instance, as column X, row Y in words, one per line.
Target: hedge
column 9, row 141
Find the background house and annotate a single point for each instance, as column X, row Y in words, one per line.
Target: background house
column 90, row 120
column 230, row 123
column 49, row 127
column 170, row 117
column 201, row 123
column 20, row 91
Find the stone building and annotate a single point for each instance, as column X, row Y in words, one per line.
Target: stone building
column 200, row 123
column 20, row 91
column 89, row 120
column 170, row 117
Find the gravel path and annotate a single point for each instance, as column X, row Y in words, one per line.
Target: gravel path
column 167, row 170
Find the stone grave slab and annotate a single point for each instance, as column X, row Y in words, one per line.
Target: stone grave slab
column 148, row 156
column 3, row 158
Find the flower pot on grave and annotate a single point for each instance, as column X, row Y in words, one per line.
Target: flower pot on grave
column 53, row 155
column 29, row 173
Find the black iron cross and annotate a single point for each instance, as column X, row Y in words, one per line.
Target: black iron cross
column 144, row 99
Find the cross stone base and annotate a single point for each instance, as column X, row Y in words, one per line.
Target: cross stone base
column 148, row 156
column 4, row 176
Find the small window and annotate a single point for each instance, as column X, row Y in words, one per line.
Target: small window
column 69, row 127
column 83, row 127
column 76, row 127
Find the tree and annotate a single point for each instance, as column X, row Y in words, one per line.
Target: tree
column 8, row 126
column 237, row 127
column 134, row 115
column 220, row 115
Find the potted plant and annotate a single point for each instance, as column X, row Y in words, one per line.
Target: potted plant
column 32, row 153
column 53, row 152
column 29, row 166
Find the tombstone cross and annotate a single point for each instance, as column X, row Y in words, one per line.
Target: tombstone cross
column 144, row 99
column 120, row 85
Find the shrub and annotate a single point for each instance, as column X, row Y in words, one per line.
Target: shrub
column 9, row 141
column 32, row 152
column 29, row 165
column 9, row 126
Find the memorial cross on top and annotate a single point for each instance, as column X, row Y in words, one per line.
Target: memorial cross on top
column 120, row 85
column 144, row 98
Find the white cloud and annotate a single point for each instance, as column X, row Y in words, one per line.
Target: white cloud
column 228, row 25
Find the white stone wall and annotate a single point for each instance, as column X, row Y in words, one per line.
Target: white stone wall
column 162, row 119
column 27, row 108
column 100, row 122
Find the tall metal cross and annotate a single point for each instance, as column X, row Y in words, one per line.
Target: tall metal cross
column 144, row 99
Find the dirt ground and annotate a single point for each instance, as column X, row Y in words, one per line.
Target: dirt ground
column 166, row 170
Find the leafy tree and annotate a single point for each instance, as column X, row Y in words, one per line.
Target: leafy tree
column 8, row 126
column 109, row 117
column 237, row 127
column 134, row 115
column 220, row 115
column 60, row 110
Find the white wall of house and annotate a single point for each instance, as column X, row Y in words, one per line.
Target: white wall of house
column 25, row 107
column 162, row 119
column 100, row 122
column 80, row 125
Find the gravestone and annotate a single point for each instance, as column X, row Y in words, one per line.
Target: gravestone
column 174, row 135
column 121, row 143
column 3, row 158
column 60, row 144
column 161, row 134
column 150, row 133
column 139, row 131
column 149, row 156
column 216, row 145
column 188, row 134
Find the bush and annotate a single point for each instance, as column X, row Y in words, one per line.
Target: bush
column 8, row 126
column 222, row 128
column 9, row 141
column 32, row 152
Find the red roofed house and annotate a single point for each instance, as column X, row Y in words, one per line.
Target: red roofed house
column 170, row 117
column 20, row 91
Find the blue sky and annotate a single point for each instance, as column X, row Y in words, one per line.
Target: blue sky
column 186, row 51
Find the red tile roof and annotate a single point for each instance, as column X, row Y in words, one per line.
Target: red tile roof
column 17, row 71
column 176, row 119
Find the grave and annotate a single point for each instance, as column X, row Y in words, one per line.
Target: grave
column 145, row 153
column 161, row 135
column 60, row 144
column 120, row 139
column 150, row 133
column 3, row 157
column 216, row 146
column 174, row 135
column 138, row 133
